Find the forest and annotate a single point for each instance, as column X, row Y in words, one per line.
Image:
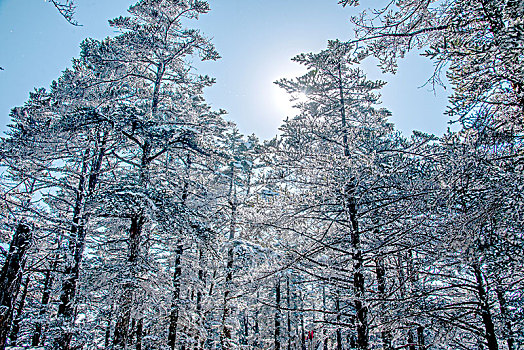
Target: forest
column 135, row 216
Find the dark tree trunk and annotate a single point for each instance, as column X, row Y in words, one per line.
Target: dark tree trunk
column 485, row 311
column 381, row 288
column 175, row 306
column 11, row 277
column 108, row 328
column 289, row 336
column 358, row 276
column 13, row 337
column 46, row 295
column 339, row 319
column 411, row 340
column 510, row 340
column 256, row 327
column 420, row 338
column 200, row 315
column 302, row 328
column 226, row 330
column 277, row 315
column 244, row 322
column 139, row 333
column 132, row 332
column 77, row 244
column 121, row 334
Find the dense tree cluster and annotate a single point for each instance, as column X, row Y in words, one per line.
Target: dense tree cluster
column 135, row 216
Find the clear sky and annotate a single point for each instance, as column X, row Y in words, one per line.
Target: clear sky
column 256, row 39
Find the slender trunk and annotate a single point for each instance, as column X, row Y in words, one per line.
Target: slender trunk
column 177, row 276
column 343, row 112
column 175, row 306
column 324, row 306
column 485, row 311
column 13, row 337
column 131, row 332
column 510, row 340
column 288, row 314
column 381, row 288
column 244, row 321
column 11, row 277
column 256, row 327
column 77, row 243
column 420, row 338
column 121, row 334
column 226, row 329
column 411, row 340
column 46, row 296
column 277, row 315
column 358, row 265
column 358, row 277
column 139, row 333
column 108, row 329
column 339, row 330
column 302, row 328
column 200, row 315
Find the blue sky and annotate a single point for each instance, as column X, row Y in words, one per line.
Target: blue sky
column 256, row 39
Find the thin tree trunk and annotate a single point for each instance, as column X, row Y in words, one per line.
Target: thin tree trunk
column 121, row 334
column 381, row 288
column 46, row 296
column 277, row 315
column 77, row 243
column 302, row 328
column 324, row 305
column 288, row 314
column 108, row 328
column 11, row 277
column 13, row 337
column 256, row 327
column 510, row 340
column 177, row 276
column 485, row 311
column 420, row 338
column 139, row 333
column 411, row 340
column 175, row 306
column 226, row 330
column 339, row 319
column 200, row 315
column 358, row 277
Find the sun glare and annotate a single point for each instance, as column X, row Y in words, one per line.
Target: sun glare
column 284, row 103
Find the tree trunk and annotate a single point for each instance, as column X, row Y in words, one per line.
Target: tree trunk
column 139, row 333
column 277, row 315
column 46, row 295
column 289, row 336
column 11, row 277
column 200, row 315
column 485, row 311
column 108, row 328
column 175, row 306
column 411, row 340
column 420, row 338
column 358, row 265
column 226, row 330
column 381, row 288
column 77, row 244
column 339, row 319
column 121, row 334
column 256, row 327
column 13, row 337
column 510, row 340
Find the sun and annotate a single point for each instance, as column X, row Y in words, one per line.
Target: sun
column 285, row 103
